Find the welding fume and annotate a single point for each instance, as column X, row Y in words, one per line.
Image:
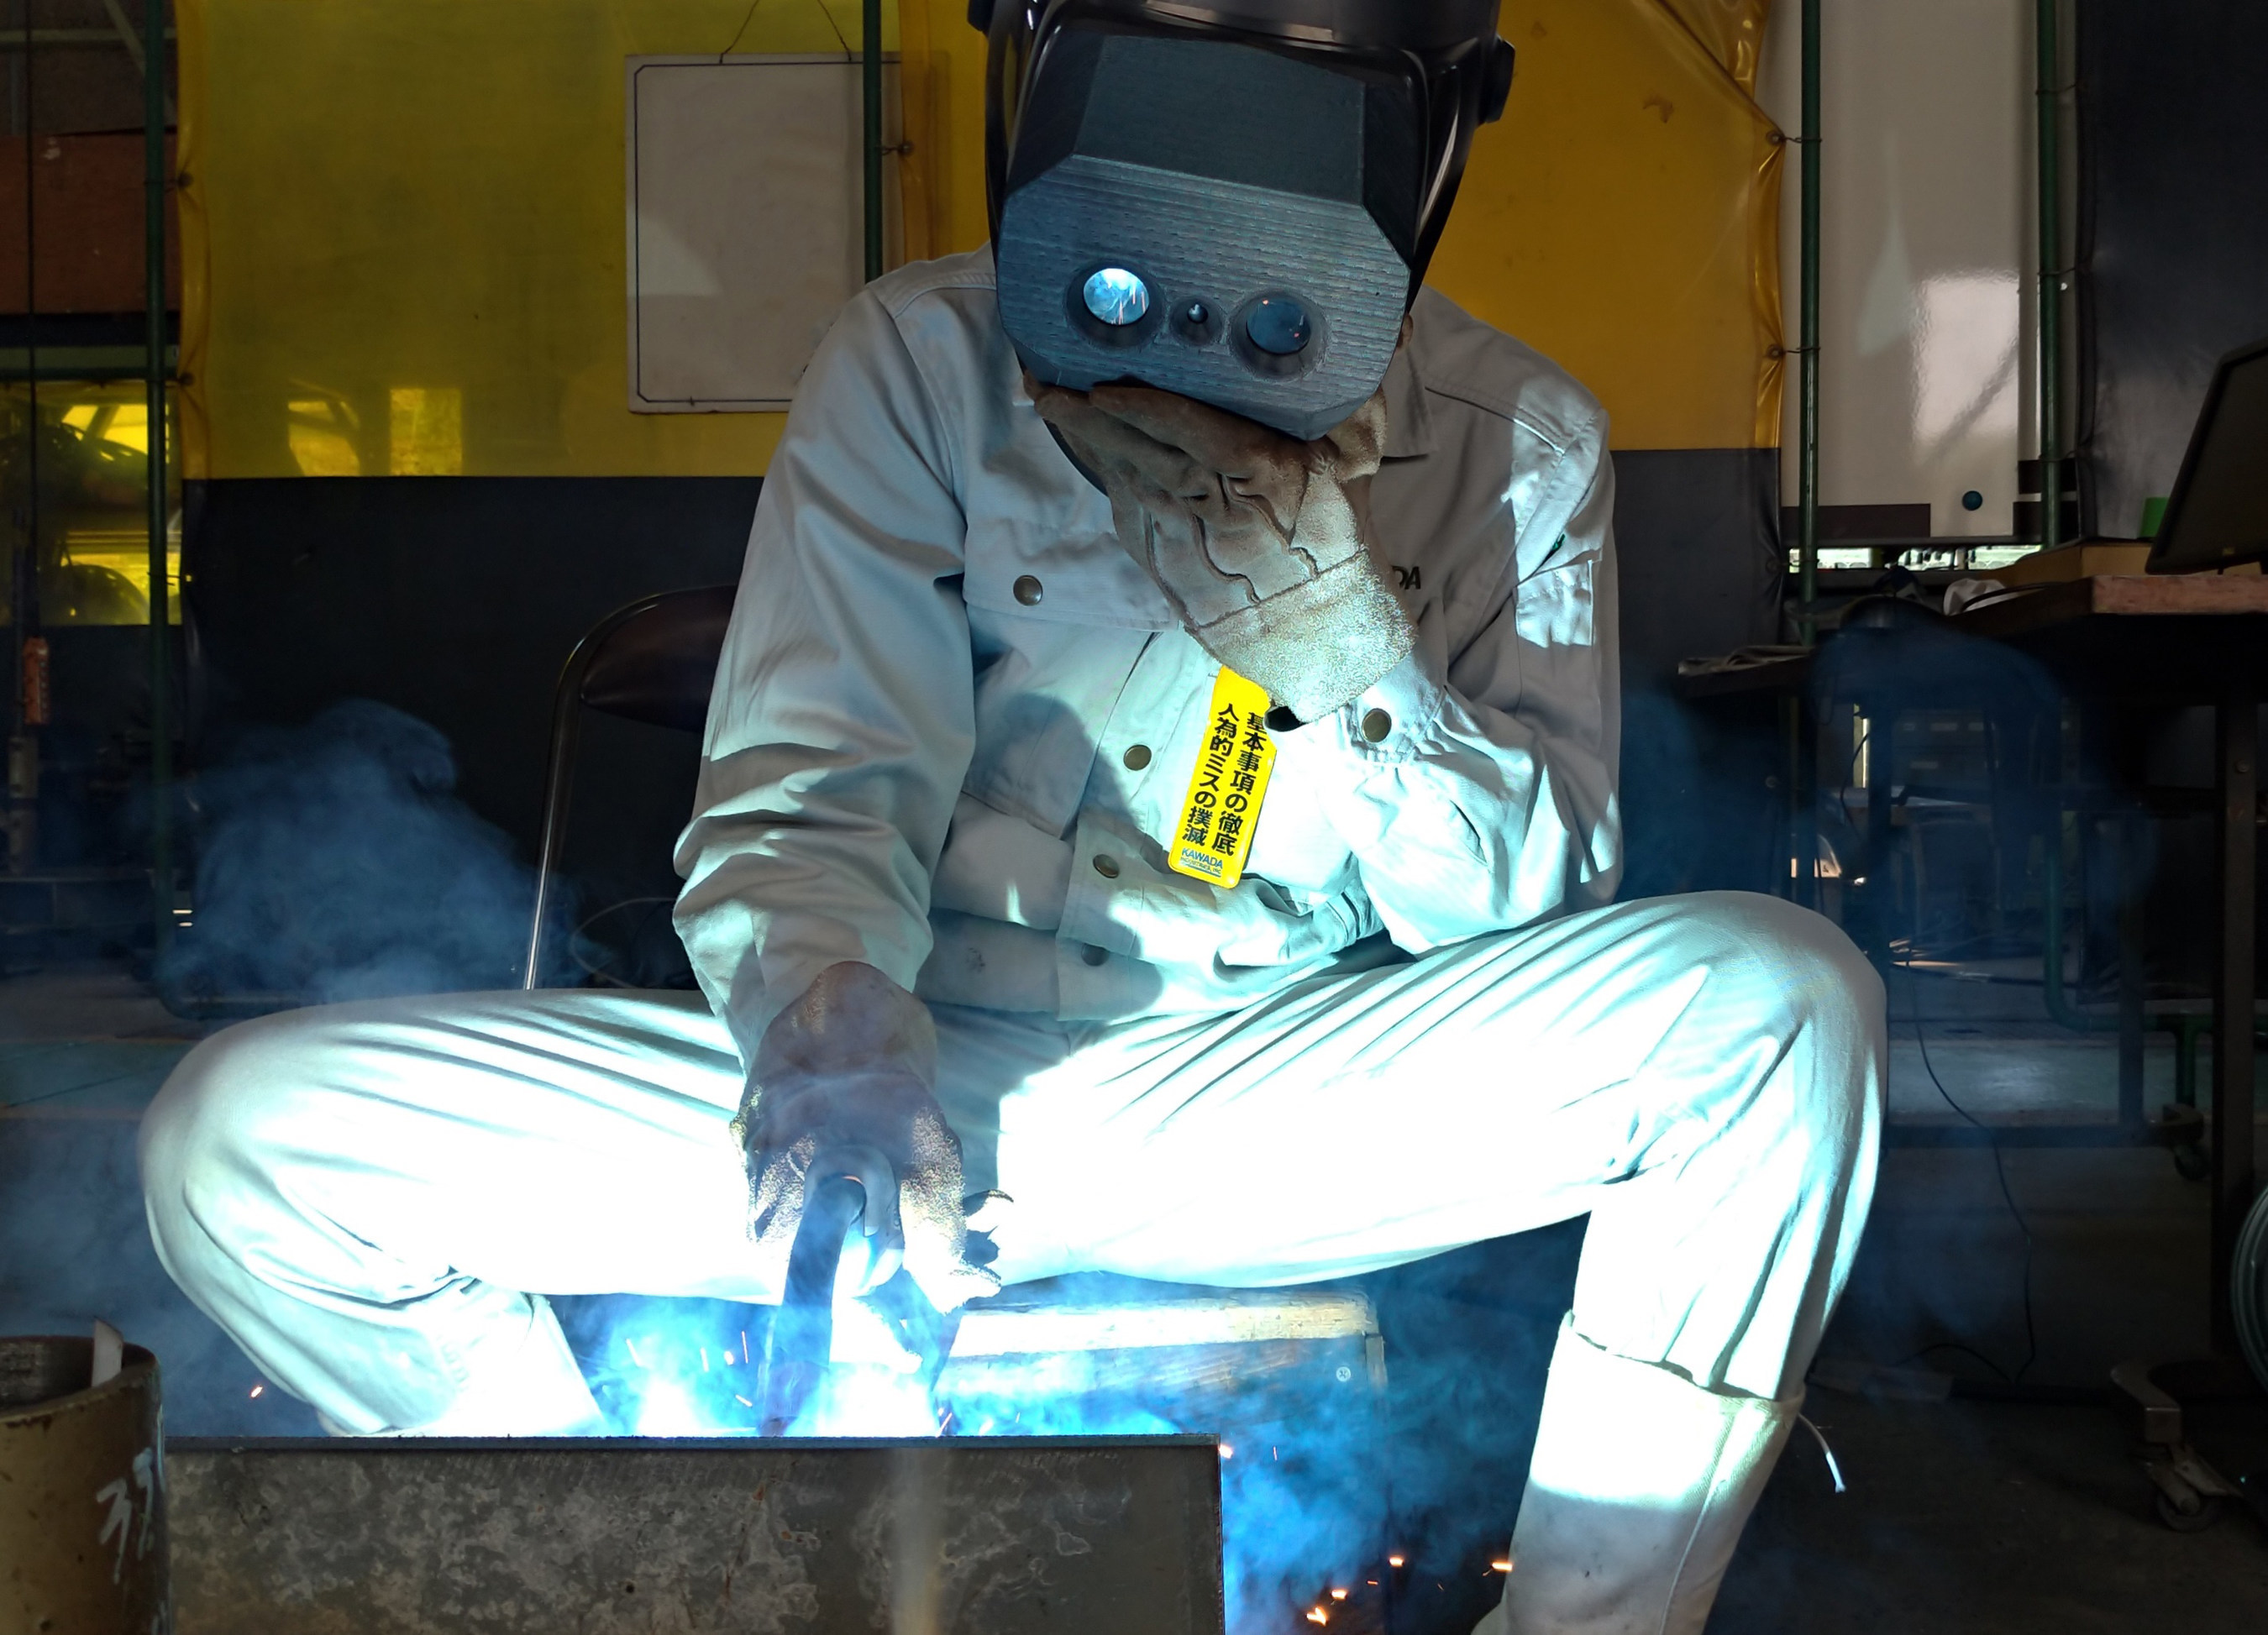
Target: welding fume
column 1158, row 810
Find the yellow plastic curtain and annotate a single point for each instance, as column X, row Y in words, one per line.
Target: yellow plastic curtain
column 1623, row 217
column 403, row 222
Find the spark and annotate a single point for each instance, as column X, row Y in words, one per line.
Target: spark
column 631, row 1345
column 704, row 1360
column 1339, row 1594
column 985, row 1429
column 743, row 1401
column 1316, row 1615
column 258, row 1389
column 1500, row 1566
column 728, row 1358
column 1226, row 1452
column 1394, row 1561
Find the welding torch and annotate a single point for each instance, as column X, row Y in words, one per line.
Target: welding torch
column 846, row 1186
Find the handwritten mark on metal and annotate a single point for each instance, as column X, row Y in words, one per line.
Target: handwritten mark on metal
column 119, row 1495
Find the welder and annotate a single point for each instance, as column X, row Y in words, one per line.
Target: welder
column 1159, row 793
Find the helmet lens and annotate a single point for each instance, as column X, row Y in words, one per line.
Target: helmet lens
column 1278, row 326
column 1116, row 296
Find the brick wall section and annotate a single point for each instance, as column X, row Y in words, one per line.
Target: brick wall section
column 88, row 194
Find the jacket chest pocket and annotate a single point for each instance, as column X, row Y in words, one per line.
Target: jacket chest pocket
column 1065, row 567
column 1057, row 617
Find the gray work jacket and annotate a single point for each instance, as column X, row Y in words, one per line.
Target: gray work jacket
column 955, row 722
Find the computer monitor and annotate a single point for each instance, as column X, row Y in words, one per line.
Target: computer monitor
column 2218, row 513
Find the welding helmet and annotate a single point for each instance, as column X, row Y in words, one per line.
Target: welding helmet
column 1234, row 200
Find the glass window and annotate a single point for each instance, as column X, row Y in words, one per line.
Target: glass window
column 92, row 507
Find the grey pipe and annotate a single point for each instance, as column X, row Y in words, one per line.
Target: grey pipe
column 1808, row 345
column 870, row 43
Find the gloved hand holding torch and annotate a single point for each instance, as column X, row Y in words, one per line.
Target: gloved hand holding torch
column 849, row 1065
column 1261, row 542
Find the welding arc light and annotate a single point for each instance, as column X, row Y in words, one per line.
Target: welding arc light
column 1278, row 326
column 1116, row 296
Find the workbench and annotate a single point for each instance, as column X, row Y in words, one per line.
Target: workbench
column 2122, row 644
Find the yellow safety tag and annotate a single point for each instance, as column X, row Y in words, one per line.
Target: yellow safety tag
column 1226, row 790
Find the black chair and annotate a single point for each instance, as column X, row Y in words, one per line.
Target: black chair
column 654, row 662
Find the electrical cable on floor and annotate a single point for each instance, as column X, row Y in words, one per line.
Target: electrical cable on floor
column 2000, row 1173
column 1833, row 1465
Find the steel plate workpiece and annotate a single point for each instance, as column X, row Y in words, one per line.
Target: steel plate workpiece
column 997, row 1536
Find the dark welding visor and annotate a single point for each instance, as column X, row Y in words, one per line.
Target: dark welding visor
column 1235, row 202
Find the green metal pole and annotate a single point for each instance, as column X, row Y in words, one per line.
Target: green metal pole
column 2050, row 139
column 1807, row 357
column 24, row 589
column 871, row 89
column 161, row 669
column 1800, row 730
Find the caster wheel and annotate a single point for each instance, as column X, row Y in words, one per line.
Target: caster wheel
column 2173, row 1515
column 2191, row 1163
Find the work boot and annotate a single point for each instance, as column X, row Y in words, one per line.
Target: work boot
column 1641, row 1482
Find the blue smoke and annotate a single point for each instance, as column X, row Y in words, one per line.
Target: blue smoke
column 336, row 862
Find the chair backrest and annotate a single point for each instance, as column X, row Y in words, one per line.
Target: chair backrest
column 653, row 661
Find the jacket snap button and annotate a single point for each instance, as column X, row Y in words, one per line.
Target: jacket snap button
column 1107, row 866
column 1137, row 758
column 1096, row 955
column 1029, row 590
column 1376, row 725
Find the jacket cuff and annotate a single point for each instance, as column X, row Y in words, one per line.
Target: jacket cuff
column 1391, row 719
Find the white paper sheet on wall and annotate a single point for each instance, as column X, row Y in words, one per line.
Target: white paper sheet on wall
column 745, row 179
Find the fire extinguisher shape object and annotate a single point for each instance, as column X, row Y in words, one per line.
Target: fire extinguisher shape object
column 82, row 1488
column 38, row 702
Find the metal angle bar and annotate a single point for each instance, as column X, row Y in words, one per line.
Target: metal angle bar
column 132, row 41
column 13, row 40
column 127, row 37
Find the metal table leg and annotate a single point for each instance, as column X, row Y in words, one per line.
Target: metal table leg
column 2190, row 1491
column 2127, row 846
column 2236, row 733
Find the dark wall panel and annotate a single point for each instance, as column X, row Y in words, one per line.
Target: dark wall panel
column 456, row 599
column 1701, row 568
column 2174, row 251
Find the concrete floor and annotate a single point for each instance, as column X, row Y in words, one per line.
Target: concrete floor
column 1964, row 1517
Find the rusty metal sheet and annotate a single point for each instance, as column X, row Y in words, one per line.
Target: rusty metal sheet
column 987, row 1537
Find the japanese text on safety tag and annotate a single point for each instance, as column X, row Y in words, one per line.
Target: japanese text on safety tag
column 1228, row 786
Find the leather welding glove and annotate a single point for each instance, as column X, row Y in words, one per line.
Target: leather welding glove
column 850, row 1062
column 1262, row 543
